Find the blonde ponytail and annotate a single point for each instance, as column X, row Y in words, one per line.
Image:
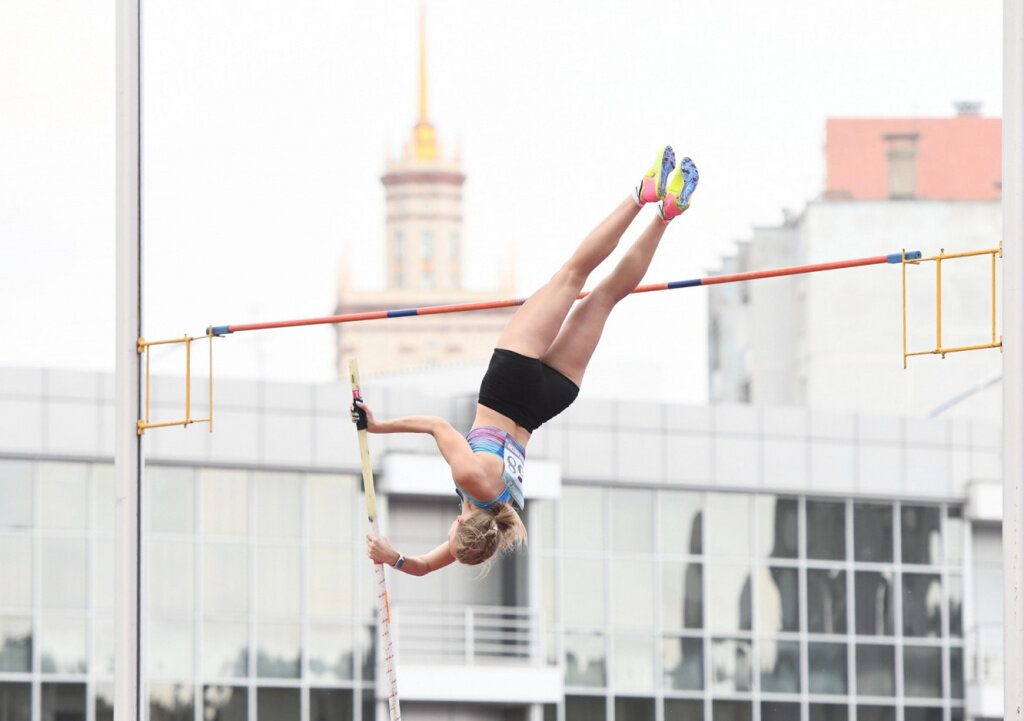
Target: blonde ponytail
column 487, row 531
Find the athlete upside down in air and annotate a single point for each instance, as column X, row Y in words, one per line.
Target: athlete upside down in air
column 534, row 374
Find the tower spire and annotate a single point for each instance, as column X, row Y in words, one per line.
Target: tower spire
column 424, row 139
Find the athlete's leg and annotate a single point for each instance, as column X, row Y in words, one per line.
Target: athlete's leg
column 576, row 341
column 534, row 326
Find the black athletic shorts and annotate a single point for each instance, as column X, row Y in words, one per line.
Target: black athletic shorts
column 524, row 389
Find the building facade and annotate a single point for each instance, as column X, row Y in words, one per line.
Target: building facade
column 719, row 562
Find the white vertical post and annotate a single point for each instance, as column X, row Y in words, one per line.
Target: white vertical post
column 127, row 443
column 1013, row 359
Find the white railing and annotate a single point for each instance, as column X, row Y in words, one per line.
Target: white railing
column 467, row 635
column 984, row 647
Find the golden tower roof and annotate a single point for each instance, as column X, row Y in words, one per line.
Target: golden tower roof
column 424, row 138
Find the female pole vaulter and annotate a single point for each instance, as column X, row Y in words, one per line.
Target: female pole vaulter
column 534, row 374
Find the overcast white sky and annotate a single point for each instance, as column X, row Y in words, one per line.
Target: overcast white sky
column 266, row 124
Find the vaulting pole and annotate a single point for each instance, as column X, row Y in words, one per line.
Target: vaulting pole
column 460, row 307
column 383, row 609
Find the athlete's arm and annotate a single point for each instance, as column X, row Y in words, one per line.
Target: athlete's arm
column 379, row 549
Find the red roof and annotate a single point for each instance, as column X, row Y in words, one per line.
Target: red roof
column 957, row 158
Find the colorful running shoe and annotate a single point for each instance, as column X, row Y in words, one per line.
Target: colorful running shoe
column 677, row 197
column 652, row 185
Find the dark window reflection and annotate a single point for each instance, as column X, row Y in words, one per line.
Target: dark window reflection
column 684, row 663
column 330, row 704
column 225, row 703
column 778, row 522
column 922, row 604
column 826, row 663
column 826, row 530
column 732, row 710
column 826, row 601
column 955, row 591
column 104, row 702
column 16, row 701
column 776, row 711
column 956, row 673
column 922, row 671
column 921, row 535
column 584, row 708
column 279, row 704
column 168, row 702
column 873, row 605
column 680, row 709
column 872, row 532
column 780, row 599
column 634, row 709
column 15, row 644
column 827, row 712
column 919, row 713
column 876, row 713
column 780, row 666
column 682, row 603
column 876, row 670
column 62, row 702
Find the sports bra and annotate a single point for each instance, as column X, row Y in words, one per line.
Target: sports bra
column 489, row 439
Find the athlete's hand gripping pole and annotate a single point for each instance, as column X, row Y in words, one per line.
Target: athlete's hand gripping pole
column 383, row 611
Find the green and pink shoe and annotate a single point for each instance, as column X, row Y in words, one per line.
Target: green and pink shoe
column 677, row 197
column 653, row 185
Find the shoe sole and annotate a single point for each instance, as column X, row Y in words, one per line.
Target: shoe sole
column 691, row 178
column 668, row 162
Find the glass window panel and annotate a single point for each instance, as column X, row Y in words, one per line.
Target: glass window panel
column 634, row 709
column 922, row 604
column 683, row 661
column 62, row 644
column 104, row 693
column 170, row 648
column 16, row 562
column 778, row 599
column 780, row 666
column 826, row 600
column 826, row 666
column 63, row 496
column 730, row 665
column 956, row 714
column 331, row 506
column 584, row 708
column 777, row 527
column 103, row 646
column 876, row 713
column 682, row 605
column 225, row 649
column 876, row 670
column 331, row 703
column 16, row 701
column 955, row 535
column 171, row 585
column 922, row 671
column 171, row 499
column 585, row 659
column 62, row 701
column 105, row 498
column 278, row 704
column 549, row 589
column 873, row 599
column 955, row 584
column 922, row 713
column 331, row 652
column 633, row 663
column 827, row 712
column 729, row 524
column 543, row 523
column 170, row 702
column 680, row 522
column 632, row 520
column 956, row 672
column 632, row 593
column 583, row 518
column 277, row 580
column 584, row 592
column 732, row 710
column 684, row 709
column 826, row 530
column 777, row 711
column 278, row 650
column 15, row 494
column 278, row 504
column 729, row 588
column 225, row 578
column 369, row 649
column 224, row 502
column 872, row 532
column 330, row 582
column 104, row 569
column 920, row 534
column 15, row 644
column 225, row 703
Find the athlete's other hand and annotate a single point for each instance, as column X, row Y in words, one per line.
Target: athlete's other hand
column 379, row 549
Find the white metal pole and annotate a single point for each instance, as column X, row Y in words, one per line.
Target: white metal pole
column 1013, row 359
column 127, row 442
